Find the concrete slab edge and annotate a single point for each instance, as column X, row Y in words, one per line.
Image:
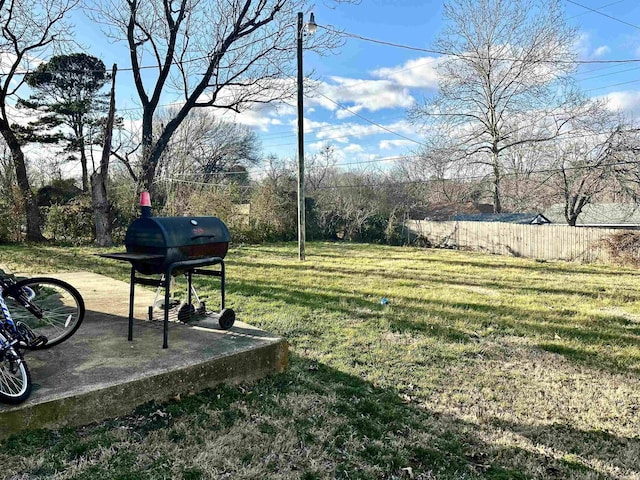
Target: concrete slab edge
column 121, row 399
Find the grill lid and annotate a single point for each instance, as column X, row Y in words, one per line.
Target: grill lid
column 170, row 232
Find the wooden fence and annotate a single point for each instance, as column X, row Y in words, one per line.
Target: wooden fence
column 544, row 242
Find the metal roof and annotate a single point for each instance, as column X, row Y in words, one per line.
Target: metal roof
column 523, row 218
column 599, row 214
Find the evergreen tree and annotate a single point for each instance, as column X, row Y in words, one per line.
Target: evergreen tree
column 67, row 91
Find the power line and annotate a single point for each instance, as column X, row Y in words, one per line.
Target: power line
column 550, row 170
column 371, row 121
column 603, row 14
column 599, row 8
column 438, row 52
column 614, row 85
column 610, row 73
column 478, row 177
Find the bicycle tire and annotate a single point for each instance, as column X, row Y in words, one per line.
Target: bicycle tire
column 15, row 377
column 55, row 309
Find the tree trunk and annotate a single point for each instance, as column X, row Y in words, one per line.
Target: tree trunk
column 83, row 163
column 148, row 166
column 100, row 204
column 497, row 204
column 99, row 198
column 34, row 219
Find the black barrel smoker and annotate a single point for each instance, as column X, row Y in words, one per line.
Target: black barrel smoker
column 171, row 246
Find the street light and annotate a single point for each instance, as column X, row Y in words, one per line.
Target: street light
column 311, row 27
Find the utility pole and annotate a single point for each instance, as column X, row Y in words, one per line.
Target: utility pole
column 301, row 204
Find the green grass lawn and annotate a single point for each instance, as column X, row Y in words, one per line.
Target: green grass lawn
column 478, row 367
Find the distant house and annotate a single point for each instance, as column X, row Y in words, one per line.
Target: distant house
column 600, row 215
column 521, row 218
column 443, row 212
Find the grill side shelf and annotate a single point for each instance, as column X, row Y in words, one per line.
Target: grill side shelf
column 131, row 257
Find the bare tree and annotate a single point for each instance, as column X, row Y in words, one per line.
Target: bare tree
column 627, row 167
column 594, row 161
column 319, row 167
column 204, row 53
column 437, row 166
column 505, row 70
column 206, row 149
column 29, row 28
column 347, row 202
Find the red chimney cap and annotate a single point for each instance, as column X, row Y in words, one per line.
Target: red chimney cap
column 145, row 199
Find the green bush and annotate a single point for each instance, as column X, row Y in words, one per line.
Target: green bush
column 71, row 222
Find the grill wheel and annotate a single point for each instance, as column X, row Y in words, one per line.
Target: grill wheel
column 186, row 312
column 226, row 319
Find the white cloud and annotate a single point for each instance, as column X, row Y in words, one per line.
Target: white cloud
column 391, row 144
column 415, row 73
column 583, row 44
column 260, row 116
column 317, row 145
column 601, row 51
column 351, row 148
column 359, row 130
column 586, row 49
column 354, row 148
column 310, row 125
column 358, row 95
column 352, row 111
column 627, row 101
column 256, row 119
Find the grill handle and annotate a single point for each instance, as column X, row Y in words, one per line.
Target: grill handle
column 203, row 236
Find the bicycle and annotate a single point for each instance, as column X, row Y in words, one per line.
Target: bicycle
column 38, row 313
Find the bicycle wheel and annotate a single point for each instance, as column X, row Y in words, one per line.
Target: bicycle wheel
column 15, row 378
column 48, row 306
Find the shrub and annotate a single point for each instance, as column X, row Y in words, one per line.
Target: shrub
column 12, row 215
column 274, row 214
column 624, row 248
column 71, row 222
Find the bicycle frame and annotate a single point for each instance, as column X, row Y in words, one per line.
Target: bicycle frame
column 12, row 331
column 7, row 321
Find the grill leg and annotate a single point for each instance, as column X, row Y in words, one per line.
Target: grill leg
column 167, row 291
column 222, row 284
column 132, row 288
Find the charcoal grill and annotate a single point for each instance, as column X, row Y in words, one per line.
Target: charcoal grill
column 171, row 246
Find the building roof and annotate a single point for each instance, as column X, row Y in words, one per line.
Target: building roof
column 445, row 211
column 523, row 218
column 599, row 215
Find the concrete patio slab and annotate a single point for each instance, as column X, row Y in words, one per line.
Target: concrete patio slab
column 98, row 374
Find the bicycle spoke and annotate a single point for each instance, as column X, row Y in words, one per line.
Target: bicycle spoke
column 9, row 382
column 54, row 311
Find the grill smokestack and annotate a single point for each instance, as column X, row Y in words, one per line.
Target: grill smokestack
column 145, row 204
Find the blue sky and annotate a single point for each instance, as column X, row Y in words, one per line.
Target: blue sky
column 378, row 82
column 356, row 76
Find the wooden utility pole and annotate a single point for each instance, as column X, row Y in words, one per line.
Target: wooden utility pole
column 301, row 203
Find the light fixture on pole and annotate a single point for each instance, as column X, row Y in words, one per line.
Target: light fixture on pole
column 311, row 27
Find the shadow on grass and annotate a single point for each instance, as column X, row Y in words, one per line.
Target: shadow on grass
column 459, row 321
column 594, row 445
column 417, row 275
column 338, row 249
column 339, row 426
